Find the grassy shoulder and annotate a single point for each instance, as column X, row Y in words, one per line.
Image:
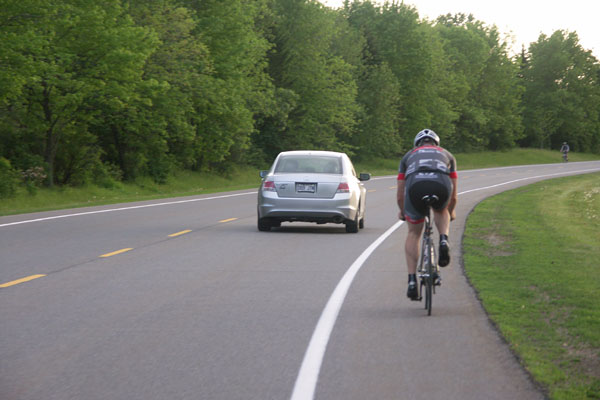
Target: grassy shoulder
column 484, row 159
column 532, row 255
column 491, row 159
column 187, row 183
column 184, row 183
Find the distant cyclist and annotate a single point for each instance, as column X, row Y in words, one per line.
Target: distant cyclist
column 565, row 151
column 427, row 169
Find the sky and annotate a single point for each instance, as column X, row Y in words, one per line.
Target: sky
column 524, row 20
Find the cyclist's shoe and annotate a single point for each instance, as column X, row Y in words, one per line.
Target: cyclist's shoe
column 412, row 292
column 444, row 253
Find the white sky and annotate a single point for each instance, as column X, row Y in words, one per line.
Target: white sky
column 524, row 20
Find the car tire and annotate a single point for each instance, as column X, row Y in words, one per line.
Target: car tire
column 352, row 226
column 361, row 221
column 263, row 225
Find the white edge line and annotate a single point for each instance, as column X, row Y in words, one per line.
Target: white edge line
column 309, row 371
column 125, row 208
column 493, row 168
column 532, row 177
column 306, row 382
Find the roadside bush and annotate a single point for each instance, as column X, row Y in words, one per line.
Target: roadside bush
column 9, row 179
column 159, row 168
column 106, row 175
column 33, row 178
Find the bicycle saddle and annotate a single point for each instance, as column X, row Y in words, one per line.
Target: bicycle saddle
column 430, row 199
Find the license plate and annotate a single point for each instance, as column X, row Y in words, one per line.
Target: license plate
column 306, row 187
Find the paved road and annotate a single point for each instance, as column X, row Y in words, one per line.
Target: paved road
column 190, row 301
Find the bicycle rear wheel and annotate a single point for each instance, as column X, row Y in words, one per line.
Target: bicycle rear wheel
column 430, row 270
column 428, row 295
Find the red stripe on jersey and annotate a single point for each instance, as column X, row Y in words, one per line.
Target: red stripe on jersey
column 453, row 175
column 401, row 176
column 428, row 147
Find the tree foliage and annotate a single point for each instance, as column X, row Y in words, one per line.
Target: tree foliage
column 485, row 91
column 562, row 94
column 101, row 91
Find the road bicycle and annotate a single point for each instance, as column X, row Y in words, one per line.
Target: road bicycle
column 428, row 270
column 565, row 156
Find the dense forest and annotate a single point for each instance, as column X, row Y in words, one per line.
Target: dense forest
column 102, row 91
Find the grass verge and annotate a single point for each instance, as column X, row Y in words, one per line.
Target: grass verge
column 184, row 183
column 484, row 159
column 491, row 159
column 187, row 183
column 532, row 255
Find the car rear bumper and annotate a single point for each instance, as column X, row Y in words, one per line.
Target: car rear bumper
column 338, row 210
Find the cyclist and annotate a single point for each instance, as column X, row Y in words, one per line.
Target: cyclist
column 565, row 151
column 427, row 169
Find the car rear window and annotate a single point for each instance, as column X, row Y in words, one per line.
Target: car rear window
column 309, row 164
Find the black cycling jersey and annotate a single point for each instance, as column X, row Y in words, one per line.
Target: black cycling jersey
column 427, row 159
column 427, row 170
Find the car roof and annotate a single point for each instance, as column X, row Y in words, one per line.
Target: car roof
column 312, row 153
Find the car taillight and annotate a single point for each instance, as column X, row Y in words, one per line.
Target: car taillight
column 343, row 188
column 269, row 186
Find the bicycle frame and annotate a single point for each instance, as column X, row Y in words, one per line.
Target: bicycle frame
column 427, row 268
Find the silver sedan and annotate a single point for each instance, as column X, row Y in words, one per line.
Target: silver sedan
column 312, row 186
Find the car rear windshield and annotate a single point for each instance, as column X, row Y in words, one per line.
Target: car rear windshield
column 309, row 164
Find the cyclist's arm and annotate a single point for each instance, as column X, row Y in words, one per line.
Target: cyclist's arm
column 454, row 196
column 400, row 198
column 401, row 186
column 453, row 199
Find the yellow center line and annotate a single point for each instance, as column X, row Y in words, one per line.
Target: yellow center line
column 228, row 220
column 371, row 190
column 26, row 279
column 180, row 233
column 114, row 253
column 393, row 187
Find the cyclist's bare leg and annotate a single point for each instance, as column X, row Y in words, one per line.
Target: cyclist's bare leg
column 412, row 247
column 442, row 220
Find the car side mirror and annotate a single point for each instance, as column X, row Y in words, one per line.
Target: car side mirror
column 364, row 177
column 263, row 173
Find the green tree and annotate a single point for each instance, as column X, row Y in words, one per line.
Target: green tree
column 18, row 44
column 486, row 93
column 240, row 89
column 317, row 88
column 84, row 53
column 379, row 93
column 398, row 41
column 159, row 132
column 499, row 93
column 562, row 94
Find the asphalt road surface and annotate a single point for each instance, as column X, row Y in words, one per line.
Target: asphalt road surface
column 185, row 299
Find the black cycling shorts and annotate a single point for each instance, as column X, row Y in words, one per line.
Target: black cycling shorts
column 421, row 184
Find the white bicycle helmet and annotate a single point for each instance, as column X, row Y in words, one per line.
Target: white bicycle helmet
column 427, row 133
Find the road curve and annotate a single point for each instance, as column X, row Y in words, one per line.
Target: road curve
column 185, row 299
